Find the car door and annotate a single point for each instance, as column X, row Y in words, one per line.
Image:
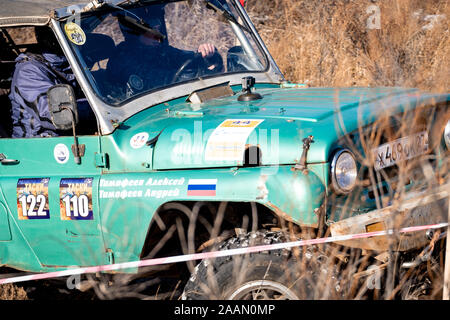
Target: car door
column 5, row 232
column 52, row 200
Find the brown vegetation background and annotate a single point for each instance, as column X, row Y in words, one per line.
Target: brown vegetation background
column 328, row 43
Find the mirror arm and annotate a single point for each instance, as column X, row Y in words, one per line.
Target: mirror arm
column 76, row 150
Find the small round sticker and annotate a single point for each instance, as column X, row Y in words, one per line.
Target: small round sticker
column 61, row 153
column 75, row 33
column 139, row 140
column 136, row 82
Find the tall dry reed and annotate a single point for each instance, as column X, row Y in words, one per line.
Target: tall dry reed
column 340, row 43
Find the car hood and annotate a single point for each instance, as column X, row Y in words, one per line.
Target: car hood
column 217, row 133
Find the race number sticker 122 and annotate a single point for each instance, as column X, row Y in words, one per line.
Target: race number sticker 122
column 75, row 200
column 32, row 198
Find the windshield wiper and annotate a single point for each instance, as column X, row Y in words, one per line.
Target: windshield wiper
column 135, row 22
column 224, row 13
column 140, row 25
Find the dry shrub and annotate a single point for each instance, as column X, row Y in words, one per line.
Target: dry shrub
column 12, row 292
column 328, row 43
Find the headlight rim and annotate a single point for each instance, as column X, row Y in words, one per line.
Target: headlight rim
column 336, row 187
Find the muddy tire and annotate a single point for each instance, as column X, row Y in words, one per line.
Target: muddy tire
column 267, row 275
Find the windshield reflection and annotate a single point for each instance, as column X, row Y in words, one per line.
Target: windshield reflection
column 140, row 48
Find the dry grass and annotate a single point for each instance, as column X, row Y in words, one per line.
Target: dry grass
column 328, row 43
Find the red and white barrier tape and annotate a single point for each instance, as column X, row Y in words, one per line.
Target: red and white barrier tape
column 214, row 254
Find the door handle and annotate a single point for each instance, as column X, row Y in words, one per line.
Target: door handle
column 5, row 161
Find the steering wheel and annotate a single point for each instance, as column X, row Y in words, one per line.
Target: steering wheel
column 200, row 65
column 141, row 77
column 197, row 60
column 136, row 78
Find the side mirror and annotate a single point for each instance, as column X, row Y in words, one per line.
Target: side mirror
column 62, row 105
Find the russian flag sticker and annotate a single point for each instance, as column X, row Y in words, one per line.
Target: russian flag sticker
column 202, row 187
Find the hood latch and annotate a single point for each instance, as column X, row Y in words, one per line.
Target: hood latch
column 306, row 144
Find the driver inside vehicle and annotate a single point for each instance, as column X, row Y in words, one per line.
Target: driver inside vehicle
column 165, row 64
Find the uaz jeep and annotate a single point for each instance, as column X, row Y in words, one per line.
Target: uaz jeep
column 193, row 152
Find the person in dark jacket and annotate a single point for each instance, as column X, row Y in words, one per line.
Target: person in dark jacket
column 146, row 60
column 34, row 74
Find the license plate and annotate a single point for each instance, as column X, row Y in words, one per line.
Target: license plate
column 401, row 149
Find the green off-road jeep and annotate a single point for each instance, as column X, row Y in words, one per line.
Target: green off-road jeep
column 193, row 152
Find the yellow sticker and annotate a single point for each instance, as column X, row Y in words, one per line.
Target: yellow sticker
column 240, row 123
column 75, row 33
column 227, row 141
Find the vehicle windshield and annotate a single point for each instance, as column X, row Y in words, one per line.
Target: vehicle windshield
column 135, row 49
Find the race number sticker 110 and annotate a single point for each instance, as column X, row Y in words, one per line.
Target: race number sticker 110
column 32, row 198
column 76, row 199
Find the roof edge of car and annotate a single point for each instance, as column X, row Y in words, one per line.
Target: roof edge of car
column 24, row 21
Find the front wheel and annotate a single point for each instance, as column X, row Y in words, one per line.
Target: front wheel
column 267, row 275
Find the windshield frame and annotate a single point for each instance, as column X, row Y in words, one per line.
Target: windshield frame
column 111, row 115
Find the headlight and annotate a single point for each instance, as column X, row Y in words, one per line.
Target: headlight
column 343, row 171
column 447, row 134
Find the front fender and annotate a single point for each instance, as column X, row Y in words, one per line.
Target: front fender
column 294, row 194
